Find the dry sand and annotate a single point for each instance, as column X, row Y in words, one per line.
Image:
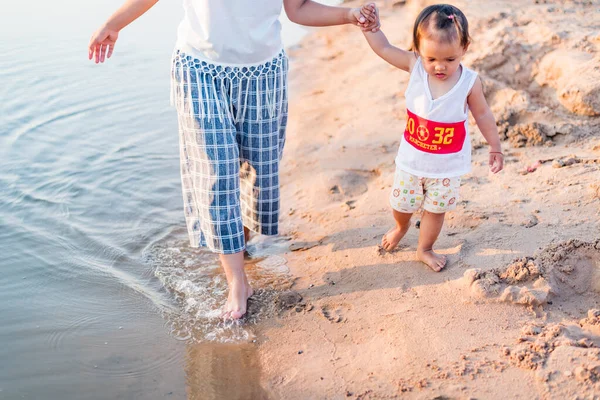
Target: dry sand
column 515, row 313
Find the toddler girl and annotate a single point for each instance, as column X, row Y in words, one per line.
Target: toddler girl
column 436, row 148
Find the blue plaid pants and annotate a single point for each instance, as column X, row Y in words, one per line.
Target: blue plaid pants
column 232, row 122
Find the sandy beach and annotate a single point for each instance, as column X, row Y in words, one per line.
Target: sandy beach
column 103, row 297
column 516, row 313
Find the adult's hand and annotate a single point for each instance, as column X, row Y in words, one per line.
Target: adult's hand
column 102, row 44
column 367, row 17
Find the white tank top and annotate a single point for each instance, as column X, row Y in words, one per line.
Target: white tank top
column 231, row 31
column 449, row 157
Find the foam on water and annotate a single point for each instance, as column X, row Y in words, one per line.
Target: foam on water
column 197, row 282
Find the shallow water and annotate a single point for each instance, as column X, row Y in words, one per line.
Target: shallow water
column 197, row 283
column 101, row 295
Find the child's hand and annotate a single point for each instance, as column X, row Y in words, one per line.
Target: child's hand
column 367, row 17
column 496, row 161
column 102, row 44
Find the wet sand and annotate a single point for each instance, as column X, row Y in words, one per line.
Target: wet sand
column 223, row 371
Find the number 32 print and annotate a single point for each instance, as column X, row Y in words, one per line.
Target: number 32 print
column 434, row 137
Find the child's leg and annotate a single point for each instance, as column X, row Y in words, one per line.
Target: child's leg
column 406, row 197
column 441, row 195
column 393, row 236
column 431, row 226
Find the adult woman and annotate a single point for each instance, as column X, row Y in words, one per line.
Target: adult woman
column 229, row 86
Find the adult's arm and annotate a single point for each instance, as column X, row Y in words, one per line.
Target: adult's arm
column 311, row 13
column 103, row 41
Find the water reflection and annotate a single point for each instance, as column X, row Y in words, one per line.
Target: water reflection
column 223, row 371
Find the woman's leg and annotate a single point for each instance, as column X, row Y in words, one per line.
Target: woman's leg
column 261, row 136
column 210, row 175
column 239, row 288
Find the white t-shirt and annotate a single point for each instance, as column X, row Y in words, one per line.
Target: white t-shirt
column 231, row 31
column 436, row 152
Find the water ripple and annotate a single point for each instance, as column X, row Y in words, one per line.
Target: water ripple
column 197, row 282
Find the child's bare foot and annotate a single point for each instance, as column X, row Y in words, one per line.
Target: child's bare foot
column 237, row 300
column 435, row 261
column 391, row 239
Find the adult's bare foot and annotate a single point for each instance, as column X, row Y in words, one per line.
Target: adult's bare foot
column 435, row 261
column 391, row 239
column 237, row 300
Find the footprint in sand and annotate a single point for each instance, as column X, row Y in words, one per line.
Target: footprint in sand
column 335, row 312
column 349, row 183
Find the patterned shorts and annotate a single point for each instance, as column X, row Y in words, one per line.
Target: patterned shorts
column 232, row 124
column 436, row 195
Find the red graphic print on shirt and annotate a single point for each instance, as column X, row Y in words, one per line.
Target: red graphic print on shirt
column 434, row 137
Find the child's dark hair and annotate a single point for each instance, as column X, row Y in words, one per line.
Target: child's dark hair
column 444, row 19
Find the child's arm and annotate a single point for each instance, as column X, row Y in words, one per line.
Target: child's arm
column 399, row 58
column 103, row 40
column 311, row 13
column 487, row 125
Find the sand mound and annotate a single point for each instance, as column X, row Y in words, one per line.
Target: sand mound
column 579, row 96
column 537, row 341
column 531, row 134
column 567, row 270
column 592, row 322
column 542, row 74
column 559, row 353
column 568, row 273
